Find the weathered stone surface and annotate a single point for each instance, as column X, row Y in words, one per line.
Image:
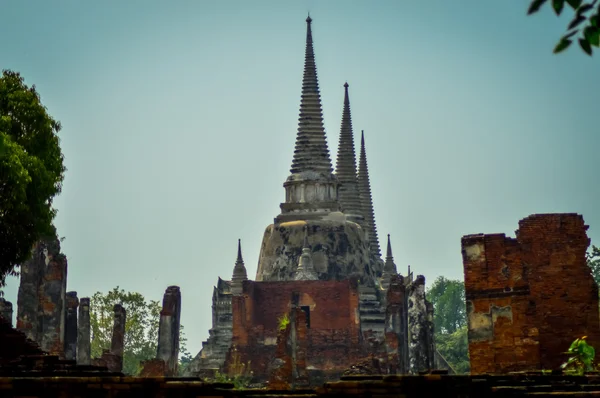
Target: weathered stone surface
column 71, row 326
column 419, row 343
column 83, row 333
column 41, row 299
column 153, row 368
column 168, row 330
column 14, row 343
column 214, row 350
column 6, row 310
column 339, row 250
column 528, row 298
column 117, row 343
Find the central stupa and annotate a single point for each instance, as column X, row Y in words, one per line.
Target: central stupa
column 339, row 243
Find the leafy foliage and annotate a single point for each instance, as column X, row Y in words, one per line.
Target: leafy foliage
column 239, row 373
column 31, row 171
column 448, row 299
column 450, row 321
column 593, row 261
column 141, row 327
column 581, row 357
column 583, row 27
column 455, row 349
column 283, row 321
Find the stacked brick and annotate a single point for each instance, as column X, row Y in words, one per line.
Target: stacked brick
column 528, row 298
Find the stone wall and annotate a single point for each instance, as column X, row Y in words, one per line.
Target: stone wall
column 433, row 385
column 528, row 298
column 333, row 325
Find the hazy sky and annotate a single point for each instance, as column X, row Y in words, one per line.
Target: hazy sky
column 179, row 122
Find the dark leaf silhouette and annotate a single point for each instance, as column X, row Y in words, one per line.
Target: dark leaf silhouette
column 574, row 3
column 535, row 6
column 585, row 46
column 562, row 45
column 578, row 20
column 558, row 6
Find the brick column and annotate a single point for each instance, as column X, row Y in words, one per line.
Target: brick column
column 52, row 305
column 71, row 326
column 168, row 330
column 118, row 337
column 83, row 333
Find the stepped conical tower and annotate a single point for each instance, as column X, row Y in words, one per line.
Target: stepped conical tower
column 364, row 186
column 346, row 167
column 338, row 245
column 239, row 272
column 389, row 268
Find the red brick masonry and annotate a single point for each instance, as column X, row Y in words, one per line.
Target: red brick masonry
column 528, row 298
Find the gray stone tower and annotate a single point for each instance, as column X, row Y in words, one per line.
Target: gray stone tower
column 364, row 186
column 346, row 167
column 239, row 272
column 339, row 247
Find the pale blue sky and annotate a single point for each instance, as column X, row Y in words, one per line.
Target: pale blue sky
column 179, row 122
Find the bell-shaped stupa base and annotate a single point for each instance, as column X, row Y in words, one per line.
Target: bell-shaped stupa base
column 339, row 250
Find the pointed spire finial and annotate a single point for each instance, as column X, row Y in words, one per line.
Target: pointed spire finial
column 309, row 19
column 389, row 248
column 364, row 186
column 349, row 193
column 239, row 254
column 239, row 272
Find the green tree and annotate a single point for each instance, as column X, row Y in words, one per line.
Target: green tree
column 455, row 349
column 141, row 327
column 450, row 321
column 583, row 27
column 31, row 171
column 448, row 299
column 593, row 260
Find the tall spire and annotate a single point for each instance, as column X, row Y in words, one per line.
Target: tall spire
column 239, row 272
column 389, row 259
column 311, row 190
column 346, row 167
column 311, row 153
column 389, row 267
column 364, row 187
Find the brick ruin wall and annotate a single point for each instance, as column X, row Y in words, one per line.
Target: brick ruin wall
column 333, row 334
column 528, row 298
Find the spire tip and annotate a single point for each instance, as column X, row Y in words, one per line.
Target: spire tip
column 309, row 19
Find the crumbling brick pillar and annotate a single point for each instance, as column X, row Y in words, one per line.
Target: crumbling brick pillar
column 117, row 344
column 528, row 298
column 396, row 331
column 168, row 330
column 430, row 334
column 289, row 365
column 28, row 302
column 6, row 310
column 418, row 328
column 83, row 333
column 41, row 298
column 71, row 326
column 52, row 306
